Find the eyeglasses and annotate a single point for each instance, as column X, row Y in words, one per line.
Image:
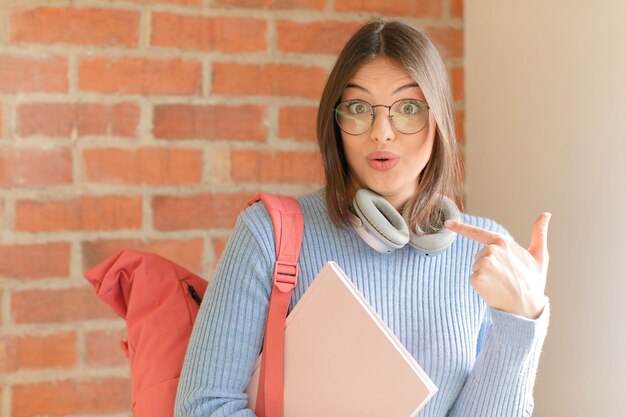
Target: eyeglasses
column 408, row 116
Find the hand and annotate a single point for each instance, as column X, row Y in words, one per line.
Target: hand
column 507, row 276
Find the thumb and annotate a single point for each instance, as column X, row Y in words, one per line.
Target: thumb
column 539, row 240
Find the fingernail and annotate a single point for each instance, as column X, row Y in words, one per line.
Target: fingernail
column 448, row 223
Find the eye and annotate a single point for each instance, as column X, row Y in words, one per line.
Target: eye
column 358, row 107
column 410, row 108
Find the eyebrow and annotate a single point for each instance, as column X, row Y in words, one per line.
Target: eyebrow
column 403, row 87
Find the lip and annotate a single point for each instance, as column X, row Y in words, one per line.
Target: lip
column 382, row 161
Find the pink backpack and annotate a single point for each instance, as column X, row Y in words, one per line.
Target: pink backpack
column 160, row 300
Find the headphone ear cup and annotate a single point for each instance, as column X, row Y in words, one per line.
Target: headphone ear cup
column 435, row 243
column 382, row 226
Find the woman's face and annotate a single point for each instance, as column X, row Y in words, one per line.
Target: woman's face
column 383, row 159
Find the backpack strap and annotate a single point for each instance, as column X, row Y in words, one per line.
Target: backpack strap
column 288, row 225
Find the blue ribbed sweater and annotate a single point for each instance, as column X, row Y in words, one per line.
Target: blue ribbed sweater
column 482, row 360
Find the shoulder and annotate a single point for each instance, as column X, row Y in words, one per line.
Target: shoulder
column 310, row 202
column 256, row 218
column 314, row 204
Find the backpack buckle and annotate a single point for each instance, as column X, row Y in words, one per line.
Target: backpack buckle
column 285, row 275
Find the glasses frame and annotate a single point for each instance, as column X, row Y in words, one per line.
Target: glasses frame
column 373, row 115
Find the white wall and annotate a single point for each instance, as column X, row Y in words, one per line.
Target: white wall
column 546, row 130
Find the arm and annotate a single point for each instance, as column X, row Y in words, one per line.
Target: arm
column 228, row 333
column 501, row 381
column 511, row 281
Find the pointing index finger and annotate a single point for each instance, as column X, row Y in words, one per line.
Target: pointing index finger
column 483, row 236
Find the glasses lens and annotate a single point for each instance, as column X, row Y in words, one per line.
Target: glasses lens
column 409, row 116
column 354, row 117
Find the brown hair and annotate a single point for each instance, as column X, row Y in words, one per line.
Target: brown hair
column 412, row 50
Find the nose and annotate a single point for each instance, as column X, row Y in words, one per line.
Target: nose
column 381, row 130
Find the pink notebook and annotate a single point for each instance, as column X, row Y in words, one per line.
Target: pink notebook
column 342, row 360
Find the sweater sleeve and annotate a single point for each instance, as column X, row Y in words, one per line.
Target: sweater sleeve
column 502, row 379
column 228, row 334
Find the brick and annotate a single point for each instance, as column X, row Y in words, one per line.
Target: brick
column 123, row 119
column 177, row 2
column 35, row 72
column 84, row 213
column 70, row 397
column 449, row 41
column 273, row 4
column 154, row 166
column 294, row 167
column 102, row 348
column 58, row 306
column 268, row 80
column 224, row 34
column 183, row 121
column 185, row 252
column 131, row 75
column 32, row 167
column 456, row 8
column 457, row 75
column 36, row 260
column 459, row 119
column 326, row 37
column 101, row 27
column 407, row 8
column 83, row 119
column 200, row 211
column 37, row 352
column 298, row 123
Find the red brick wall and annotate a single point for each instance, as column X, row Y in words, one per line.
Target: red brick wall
column 148, row 124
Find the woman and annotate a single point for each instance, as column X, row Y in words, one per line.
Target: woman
column 470, row 307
